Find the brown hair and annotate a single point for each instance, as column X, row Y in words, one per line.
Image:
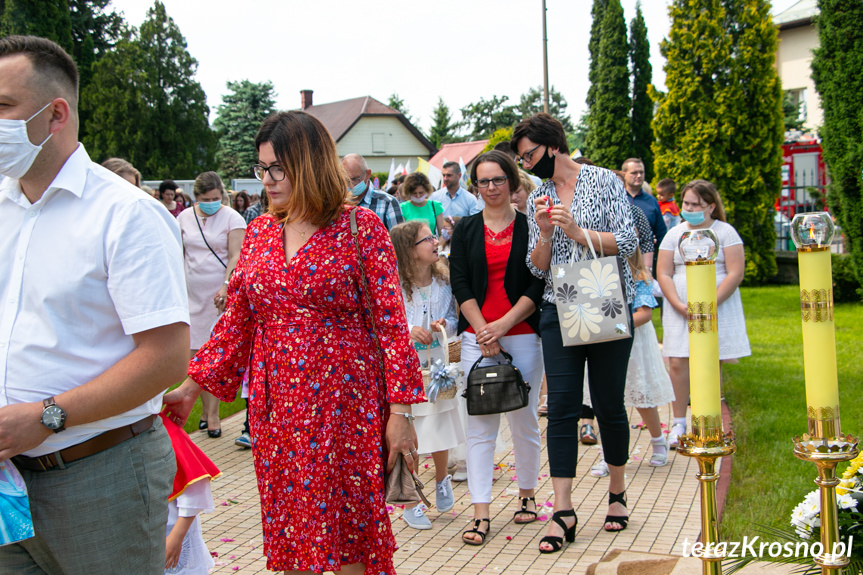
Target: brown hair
column 666, row 185
column 404, row 238
column 630, row 161
column 416, row 180
column 542, row 129
column 307, row 153
column 246, row 201
column 510, row 170
column 525, row 182
column 207, row 181
column 122, row 168
column 707, row 191
column 53, row 65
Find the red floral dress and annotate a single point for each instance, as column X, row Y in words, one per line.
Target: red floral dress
column 317, row 403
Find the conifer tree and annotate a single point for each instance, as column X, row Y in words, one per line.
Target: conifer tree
column 596, row 13
column 45, row 18
column 836, row 71
column 442, row 130
column 641, row 118
column 721, row 119
column 608, row 136
column 239, row 117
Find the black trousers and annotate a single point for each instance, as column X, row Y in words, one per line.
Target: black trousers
column 564, row 372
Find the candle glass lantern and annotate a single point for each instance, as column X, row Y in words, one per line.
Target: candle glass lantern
column 707, row 442
column 824, row 444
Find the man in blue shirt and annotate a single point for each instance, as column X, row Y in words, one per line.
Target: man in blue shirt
column 633, row 179
column 384, row 205
column 457, row 202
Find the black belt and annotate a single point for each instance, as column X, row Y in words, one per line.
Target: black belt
column 87, row 448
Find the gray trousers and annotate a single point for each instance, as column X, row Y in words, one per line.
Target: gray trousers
column 102, row 515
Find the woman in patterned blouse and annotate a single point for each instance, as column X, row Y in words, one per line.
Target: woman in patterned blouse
column 573, row 200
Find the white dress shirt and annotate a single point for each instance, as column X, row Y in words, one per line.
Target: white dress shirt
column 94, row 261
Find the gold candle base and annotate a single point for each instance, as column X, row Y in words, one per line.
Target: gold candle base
column 826, row 454
column 706, row 447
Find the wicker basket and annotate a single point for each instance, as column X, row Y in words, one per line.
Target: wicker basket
column 447, row 350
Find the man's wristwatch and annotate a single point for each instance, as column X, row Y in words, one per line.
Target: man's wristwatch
column 53, row 416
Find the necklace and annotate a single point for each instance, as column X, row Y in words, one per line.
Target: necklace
column 299, row 231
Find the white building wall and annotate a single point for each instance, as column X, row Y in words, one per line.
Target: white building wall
column 794, row 64
column 379, row 139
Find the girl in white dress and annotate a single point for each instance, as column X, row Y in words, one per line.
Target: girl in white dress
column 647, row 381
column 701, row 209
column 430, row 308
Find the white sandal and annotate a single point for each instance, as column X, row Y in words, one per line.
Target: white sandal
column 599, row 470
column 659, row 459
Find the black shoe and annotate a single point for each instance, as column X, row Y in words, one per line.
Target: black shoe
column 525, row 510
column 476, row 531
column 623, row 520
column 214, row 433
column 202, row 425
column 568, row 532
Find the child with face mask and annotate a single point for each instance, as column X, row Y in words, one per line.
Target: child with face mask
column 418, row 206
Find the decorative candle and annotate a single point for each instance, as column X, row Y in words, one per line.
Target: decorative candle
column 699, row 249
column 812, row 234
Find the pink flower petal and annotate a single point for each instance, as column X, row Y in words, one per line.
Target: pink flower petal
column 235, row 568
column 543, row 517
column 548, row 504
column 508, row 538
column 226, row 540
column 220, row 563
column 232, row 557
column 214, row 553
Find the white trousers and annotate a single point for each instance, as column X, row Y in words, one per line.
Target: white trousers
column 482, row 430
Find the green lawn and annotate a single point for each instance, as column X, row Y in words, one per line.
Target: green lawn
column 225, row 409
column 766, row 395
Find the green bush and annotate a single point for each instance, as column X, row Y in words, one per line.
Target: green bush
column 846, row 288
column 382, row 177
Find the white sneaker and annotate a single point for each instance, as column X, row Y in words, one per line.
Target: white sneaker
column 444, row 497
column 416, row 517
column 677, row 430
column 460, row 472
column 599, row 470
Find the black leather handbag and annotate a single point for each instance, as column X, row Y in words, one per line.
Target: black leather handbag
column 495, row 388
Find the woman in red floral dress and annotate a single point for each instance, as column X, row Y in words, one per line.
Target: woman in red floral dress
column 319, row 407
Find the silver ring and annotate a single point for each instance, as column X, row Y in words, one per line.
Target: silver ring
column 413, row 451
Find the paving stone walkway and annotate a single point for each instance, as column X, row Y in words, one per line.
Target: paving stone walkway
column 663, row 504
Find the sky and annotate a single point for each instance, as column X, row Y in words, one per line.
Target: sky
column 458, row 50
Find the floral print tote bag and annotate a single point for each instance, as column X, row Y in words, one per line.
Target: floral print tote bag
column 590, row 298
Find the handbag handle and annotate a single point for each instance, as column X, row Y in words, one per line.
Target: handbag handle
column 589, row 245
column 507, row 356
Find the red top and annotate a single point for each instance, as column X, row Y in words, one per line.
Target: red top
column 496, row 303
column 192, row 464
column 669, row 207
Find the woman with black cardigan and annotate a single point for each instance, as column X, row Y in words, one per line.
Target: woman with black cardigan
column 498, row 298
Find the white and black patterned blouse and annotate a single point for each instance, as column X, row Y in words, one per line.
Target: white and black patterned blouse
column 600, row 204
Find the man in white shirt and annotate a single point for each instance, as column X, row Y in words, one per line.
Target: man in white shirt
column 457, row 202
column 93, row 328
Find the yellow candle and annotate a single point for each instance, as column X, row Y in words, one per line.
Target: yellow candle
column 819, row 338
column 703, row 344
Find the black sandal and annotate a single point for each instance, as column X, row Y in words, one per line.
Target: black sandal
column 568, row 532
column 620, row 519
column 587, row 435
column 475, row 530
column 524, row 509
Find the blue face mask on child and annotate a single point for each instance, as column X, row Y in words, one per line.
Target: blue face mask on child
column 210, row 208
column 694, row 218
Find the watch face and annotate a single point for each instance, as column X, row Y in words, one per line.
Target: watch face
column 53, row 417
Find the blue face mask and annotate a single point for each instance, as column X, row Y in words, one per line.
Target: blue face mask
column 694, row 218
column 359, row 189
column 210, row 208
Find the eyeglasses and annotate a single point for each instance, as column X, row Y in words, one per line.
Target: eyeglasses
column 356, row 181
column 277, row 174
column 429, row 239
column 527, row 155
column 498, row 181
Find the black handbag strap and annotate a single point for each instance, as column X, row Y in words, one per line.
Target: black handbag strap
column 224, row 265
column 506, row 356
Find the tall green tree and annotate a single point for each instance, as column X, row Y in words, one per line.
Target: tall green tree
column 443, row 130
column 721, row 119
column 95, row 32
column 483, row 118
column 397, row 103
column 641, row 117
column 239, row 116
column 608, row 136
column 145, row 105
column 531, row 103
column 836, row 71
column 791, row 113
column 45, row 18
column 596, row 13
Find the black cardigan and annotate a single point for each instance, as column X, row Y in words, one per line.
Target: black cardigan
column 469, row 270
